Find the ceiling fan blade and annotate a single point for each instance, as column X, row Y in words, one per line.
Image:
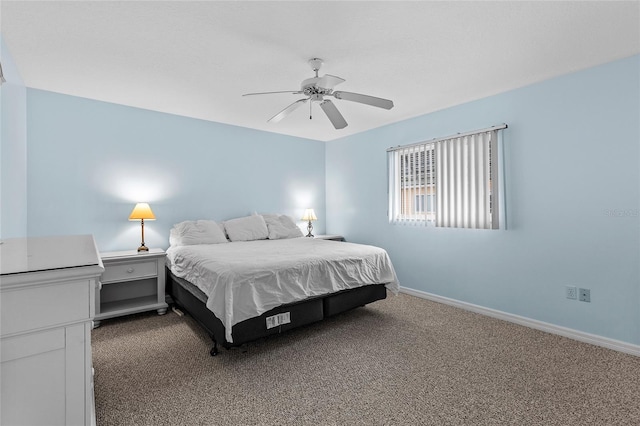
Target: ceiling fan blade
column 364, row 99
column 334, row 115
column 329, row 81
column 297, row 92
column 282, row 114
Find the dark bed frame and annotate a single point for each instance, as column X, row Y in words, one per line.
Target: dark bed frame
column 192, row 300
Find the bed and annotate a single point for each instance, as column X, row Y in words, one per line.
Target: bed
column 244, row 286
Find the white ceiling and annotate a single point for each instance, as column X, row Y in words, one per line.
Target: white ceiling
column 196, row 59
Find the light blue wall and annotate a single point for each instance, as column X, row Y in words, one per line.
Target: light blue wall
column 13, row 149
column 89, row 162
column 573, row 199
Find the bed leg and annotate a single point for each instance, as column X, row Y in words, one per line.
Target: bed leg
column 214, row 349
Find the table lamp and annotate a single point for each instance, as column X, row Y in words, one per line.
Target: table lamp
column 142, row 211
column 309, row 215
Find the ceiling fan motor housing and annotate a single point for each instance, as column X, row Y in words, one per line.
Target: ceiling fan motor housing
column 310, row 88
column 309, row 83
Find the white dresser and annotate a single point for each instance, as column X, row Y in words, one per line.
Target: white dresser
column 47, row 293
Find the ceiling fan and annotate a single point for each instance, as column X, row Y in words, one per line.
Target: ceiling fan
column 316, row 89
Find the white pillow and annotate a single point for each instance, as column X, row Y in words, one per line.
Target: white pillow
column 281, row 227
column 247, row 228
column 189, row 233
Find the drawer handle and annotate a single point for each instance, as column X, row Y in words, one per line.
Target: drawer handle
column 130, row 270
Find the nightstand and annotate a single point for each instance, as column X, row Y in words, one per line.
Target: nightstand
column 132, row 282
column 330, row 237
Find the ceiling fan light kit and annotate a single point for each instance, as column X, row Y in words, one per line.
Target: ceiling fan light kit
column 316, row 88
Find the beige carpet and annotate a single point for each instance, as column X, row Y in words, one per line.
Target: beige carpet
column 401, row 361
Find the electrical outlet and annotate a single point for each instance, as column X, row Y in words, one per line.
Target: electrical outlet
column 584, row 294
column 572, row 292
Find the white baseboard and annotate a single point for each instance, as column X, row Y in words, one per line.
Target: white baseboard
column 581, row 336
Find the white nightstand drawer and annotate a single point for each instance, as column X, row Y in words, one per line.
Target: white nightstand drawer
column 129, row 271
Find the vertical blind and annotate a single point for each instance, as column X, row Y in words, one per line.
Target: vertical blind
column 450, row 182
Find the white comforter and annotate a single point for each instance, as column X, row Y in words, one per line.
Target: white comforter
column 245, row 279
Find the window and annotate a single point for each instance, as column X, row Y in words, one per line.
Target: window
column 448, row 182
column 420, row 205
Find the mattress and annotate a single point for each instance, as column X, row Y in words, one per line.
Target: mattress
column 244, row 279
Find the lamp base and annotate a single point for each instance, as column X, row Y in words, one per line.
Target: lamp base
column 309, row 229
column 143, row 248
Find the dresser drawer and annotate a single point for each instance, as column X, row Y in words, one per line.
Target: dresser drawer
column 129, row 271
column 32, row 308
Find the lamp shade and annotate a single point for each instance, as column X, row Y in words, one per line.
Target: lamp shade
column 309, row 215
column 142, row 211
